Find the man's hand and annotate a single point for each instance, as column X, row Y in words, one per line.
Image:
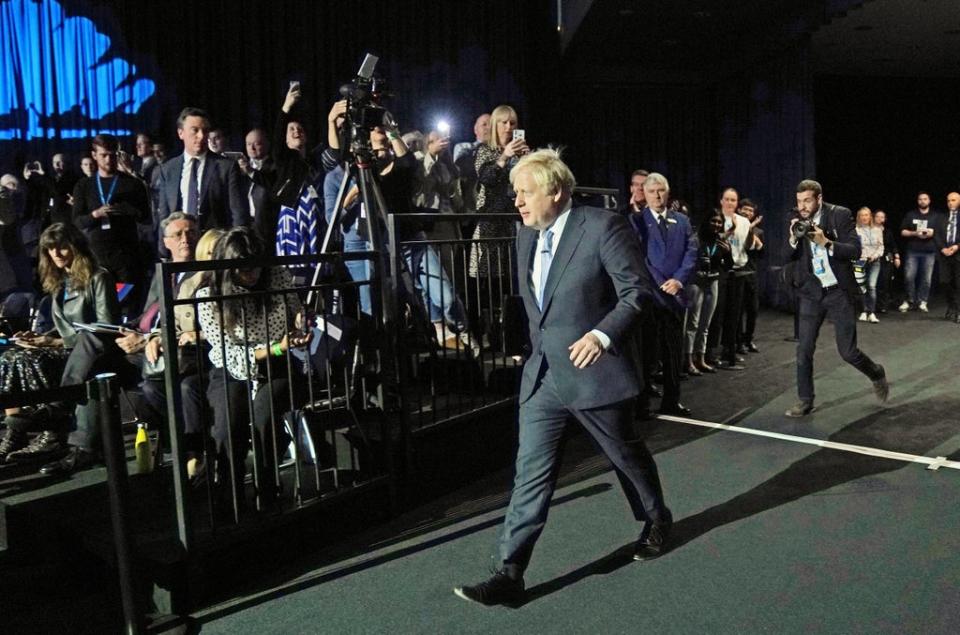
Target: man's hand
column 585, row 351
column 187, row 338
column 244, row 164
column 949, row 251
column 671, row 286
column 759, row 219
column 131, row 342
column 102, row 211
column 817, row 236
column 154, row 350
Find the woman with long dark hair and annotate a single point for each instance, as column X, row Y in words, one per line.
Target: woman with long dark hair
column 81, row 292
column 250, row 332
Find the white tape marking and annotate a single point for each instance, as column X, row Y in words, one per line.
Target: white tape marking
column 931, row 463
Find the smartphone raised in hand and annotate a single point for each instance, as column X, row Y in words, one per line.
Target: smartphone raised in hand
column 519, row 133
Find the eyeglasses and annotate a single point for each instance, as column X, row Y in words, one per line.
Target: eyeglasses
column 188, row 233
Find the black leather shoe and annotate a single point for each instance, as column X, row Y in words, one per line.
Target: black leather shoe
column 653, row 541
column 652, row 391
column 800, row 409
column 76, row 459
column 742, row 349
column 752, row 348
column 881, row 387
column 677, row 410
column 45, row 446
column 499, row 589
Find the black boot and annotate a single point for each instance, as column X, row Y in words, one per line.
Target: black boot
column 46, row 446
column 12, row 441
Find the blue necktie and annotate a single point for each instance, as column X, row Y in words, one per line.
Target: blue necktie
column 193, row 190
column 546, row 257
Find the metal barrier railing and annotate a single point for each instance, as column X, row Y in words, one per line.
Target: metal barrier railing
column 317, row 409
column 459, row 292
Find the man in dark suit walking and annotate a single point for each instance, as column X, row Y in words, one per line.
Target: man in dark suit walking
column 826, row 287
column 669, row 249
column 582, row 282
column 199, row 182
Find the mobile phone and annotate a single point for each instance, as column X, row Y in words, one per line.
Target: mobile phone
column 233, row 156
column 519, row 133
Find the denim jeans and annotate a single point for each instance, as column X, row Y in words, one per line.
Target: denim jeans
column 872, row 270
column 701, row 301
column 922, row 262
column 433, row 285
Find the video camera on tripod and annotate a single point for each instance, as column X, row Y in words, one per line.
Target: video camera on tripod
column 364, row 94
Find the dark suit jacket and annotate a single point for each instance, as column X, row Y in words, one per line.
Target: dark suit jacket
column 939, row 223
column 596, row 281
column 221, row 202
column 676, row 258
column 838, row 224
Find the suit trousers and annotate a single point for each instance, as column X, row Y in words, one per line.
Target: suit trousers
column 839, row 308
column 543, row 421
column 666, row 338
column 950, row 278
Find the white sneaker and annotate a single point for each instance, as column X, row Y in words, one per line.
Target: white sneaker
column 904, row 307
column 863, row 317
column 923, row 307
column 872, row 318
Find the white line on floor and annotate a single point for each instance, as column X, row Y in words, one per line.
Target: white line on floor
column 934, row 463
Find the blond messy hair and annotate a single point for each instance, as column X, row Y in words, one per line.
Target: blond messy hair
column 547, row 169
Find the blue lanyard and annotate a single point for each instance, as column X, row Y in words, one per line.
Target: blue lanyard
column 712, row 249
column 113, row 188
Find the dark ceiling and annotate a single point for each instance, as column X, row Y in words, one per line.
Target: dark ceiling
column 692, row 41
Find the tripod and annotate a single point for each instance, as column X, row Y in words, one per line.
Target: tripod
column 358, row 167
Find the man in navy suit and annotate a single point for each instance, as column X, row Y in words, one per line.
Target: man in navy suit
column 582, row 278
column 669, row 248
column 199, row 182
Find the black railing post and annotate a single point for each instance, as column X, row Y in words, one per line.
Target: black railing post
column 105, row 391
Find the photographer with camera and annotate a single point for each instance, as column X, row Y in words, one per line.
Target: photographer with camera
column 825, row 243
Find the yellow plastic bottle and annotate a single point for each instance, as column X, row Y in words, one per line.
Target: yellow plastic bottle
column 143, row 451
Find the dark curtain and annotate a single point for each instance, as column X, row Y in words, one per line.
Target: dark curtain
column 880, row 140
column 236, row 57
column 610, row 130
column 766, row 146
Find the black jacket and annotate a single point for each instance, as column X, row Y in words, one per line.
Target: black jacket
column 838, row 224
column 97, row 303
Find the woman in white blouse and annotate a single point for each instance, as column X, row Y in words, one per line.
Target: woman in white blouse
column 871, row 243
column 249, row 337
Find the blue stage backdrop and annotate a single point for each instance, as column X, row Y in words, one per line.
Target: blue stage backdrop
column 62, row 78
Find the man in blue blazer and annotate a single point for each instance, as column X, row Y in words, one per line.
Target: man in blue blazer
column 199, row 182
column 669, row 247
column 582, row 278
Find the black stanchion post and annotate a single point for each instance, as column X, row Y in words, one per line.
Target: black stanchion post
column 104, row 390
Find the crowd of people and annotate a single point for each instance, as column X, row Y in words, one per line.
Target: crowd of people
column 85, row 246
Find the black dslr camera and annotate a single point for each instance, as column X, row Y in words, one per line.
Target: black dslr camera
column 801, row 228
